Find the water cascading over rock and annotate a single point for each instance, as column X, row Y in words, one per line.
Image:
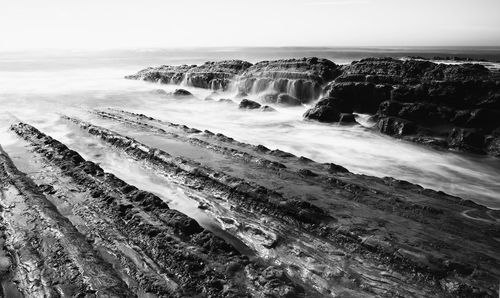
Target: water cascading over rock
column 211, row 75
column 303, row 78
column 300, row 78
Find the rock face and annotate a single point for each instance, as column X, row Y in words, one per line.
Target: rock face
column 324, row 111
column 332, row 110
column 211, row 75
column 396, row 126
column 466, row 139
column 300, row 78
column 455, row 106
column 395, row 71
column 361, row 97
column 493, row 145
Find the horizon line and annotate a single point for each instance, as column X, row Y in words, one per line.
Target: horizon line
column 393, row 47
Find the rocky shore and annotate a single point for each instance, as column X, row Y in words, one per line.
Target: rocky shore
column 252, row 221
column 453, row 106
column 309, row 229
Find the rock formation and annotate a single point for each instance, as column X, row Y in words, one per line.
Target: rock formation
column 454, row 106
column 432, row 103
column 211, row 75
column 300, row 78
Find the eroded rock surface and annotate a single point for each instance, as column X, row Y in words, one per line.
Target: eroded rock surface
column 150, row 248
column 354, row 234
column 333, row 233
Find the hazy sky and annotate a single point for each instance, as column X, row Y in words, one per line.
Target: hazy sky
column 81, row 24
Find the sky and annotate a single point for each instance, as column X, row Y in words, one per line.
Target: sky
column 103, row 24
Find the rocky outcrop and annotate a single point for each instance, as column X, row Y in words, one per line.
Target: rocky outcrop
column 396, row 126
column 454, row 106
column 396, row 71
column 249, row 104
column 432, row 101
column 300, row 78
column 466, row 139
column 360, row 97
column 211, row 75
column 42, row 254
column 493, row 145
column 182, row 93
column 324, row 111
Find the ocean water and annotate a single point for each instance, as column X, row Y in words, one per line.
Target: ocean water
column 37, row 87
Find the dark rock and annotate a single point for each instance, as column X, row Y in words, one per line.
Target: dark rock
column 407, row 93
column 362, row 97
column 323, row 112
column 466, row 139
column 396, row 126
column 288, row 100
column 249, row 104
column 182, row 93
column 460, row 118
column 493, row 147
column 429, row 141
column 426, row 113
column 389, row 108
column 333, row 168
column 49, row 189
column 203, row 206
column 307, row 173
column 484, row 118
column 341, row 104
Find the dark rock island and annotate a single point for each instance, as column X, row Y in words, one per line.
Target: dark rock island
column 455, row 106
